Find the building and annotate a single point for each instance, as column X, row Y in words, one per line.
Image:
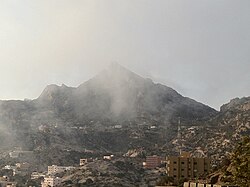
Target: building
column 108, row 157
column 118, row 126
column 194, row 184
column 4, row 182
column 37, row 175
column 23, row 166
column 84, row 161
column 58, row 169
column 153, row 162
column 7, row 184
column 9, row 167
column 51, row 181
column 20, row 154
column 187, row 167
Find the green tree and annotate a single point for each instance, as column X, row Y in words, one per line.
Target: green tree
column 240, row 163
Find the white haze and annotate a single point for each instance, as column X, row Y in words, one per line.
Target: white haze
column 198, row 47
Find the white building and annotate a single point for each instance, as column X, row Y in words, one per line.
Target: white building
column 17, row 154
column 118, row 126
column 9, row 167
column 37, row 175
column 108, row 157
column 51, row 181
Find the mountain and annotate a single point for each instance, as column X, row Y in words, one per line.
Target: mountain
column 115, row 111
column 118, row 94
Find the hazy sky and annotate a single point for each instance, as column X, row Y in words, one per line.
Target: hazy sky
column 201, row 48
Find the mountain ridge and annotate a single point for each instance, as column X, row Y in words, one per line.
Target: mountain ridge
column 122, row 94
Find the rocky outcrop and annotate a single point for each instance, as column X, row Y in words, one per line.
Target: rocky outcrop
column 106, row 173
column 237, row 103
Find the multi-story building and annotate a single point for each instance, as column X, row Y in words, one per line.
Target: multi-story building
column 153, row 162
column 51, row 181
column 188, row 167
column 58, row 169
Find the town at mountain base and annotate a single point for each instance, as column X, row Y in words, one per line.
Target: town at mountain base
column 122, row 114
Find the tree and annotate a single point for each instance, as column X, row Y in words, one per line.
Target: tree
column 165, row 180
column 240, row 163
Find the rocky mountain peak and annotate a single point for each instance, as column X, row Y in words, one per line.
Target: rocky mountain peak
column 49, row 91
column 237, row 103
column 117, row 94
column 116, row 75
column 52, row 91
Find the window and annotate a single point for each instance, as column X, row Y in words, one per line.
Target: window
column 174, row 169
column 174, row 175
column 182, row 162
column 195, row 163
column 175, row 162
column 182, row 169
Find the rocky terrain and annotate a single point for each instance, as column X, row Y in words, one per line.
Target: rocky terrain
column 121, row 113
column 106, row 173
column 218, row 136
column 235, row 170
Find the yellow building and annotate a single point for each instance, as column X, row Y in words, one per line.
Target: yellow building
column 187, row 167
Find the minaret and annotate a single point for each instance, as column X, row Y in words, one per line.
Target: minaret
column 179, row 135
column 179, row 129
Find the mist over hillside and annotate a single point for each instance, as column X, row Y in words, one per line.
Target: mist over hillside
column 119, row 94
